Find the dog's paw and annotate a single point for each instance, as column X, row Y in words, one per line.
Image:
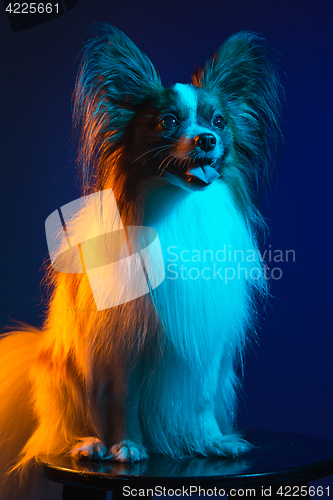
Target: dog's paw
column 128, row 451
column 90, row 447
column 231, row 446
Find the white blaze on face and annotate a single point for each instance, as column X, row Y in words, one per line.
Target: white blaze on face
column 197, row 159
column 189, row 99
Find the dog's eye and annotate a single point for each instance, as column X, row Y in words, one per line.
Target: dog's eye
column 169, row 122
column 218, row 122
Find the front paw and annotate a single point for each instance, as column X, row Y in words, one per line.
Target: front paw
column 231, row 446
column 90, row 447
column 128, row 451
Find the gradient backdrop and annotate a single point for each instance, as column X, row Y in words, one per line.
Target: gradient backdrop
column 288, row 379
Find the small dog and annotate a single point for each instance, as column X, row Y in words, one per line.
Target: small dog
column 158, row 373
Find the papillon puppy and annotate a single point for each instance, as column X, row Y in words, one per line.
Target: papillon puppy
column 156, row 374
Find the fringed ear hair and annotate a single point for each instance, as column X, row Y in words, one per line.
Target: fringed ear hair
column 114, row 76
column 248, row 86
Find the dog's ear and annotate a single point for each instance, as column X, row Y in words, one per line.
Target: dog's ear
column 114, row 77
column 239, row 68
column 248, row 85
column 113, row 66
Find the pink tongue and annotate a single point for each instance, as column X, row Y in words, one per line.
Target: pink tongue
column 206, row 173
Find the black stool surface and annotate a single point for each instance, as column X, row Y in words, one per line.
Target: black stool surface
column 276, row 458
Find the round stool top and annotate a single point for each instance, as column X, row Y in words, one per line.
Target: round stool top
column 276, row 458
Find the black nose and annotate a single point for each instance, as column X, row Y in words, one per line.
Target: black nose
column 206, row 142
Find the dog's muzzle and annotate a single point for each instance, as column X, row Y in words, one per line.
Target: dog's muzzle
column 205, row 172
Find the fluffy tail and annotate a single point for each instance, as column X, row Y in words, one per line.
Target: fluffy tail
column 17, row 420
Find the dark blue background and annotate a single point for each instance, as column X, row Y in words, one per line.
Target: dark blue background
column 288, row 379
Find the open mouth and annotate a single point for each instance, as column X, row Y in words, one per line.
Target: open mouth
column 200, row 174
column 205, row 173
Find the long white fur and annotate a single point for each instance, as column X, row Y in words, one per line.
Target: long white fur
column 205, row 321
